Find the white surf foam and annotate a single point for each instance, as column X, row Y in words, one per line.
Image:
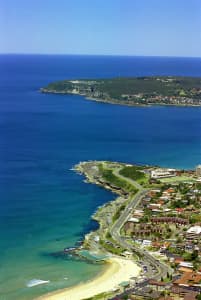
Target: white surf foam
column 35, row 282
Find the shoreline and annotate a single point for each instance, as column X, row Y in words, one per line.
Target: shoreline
column 115, row 102
column 117, row 271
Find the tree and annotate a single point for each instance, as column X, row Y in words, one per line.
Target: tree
column 194, row 255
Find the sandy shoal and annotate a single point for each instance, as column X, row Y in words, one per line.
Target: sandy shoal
column 118, row 270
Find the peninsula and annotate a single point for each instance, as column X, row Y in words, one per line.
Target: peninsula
column 153, row 90
column 149, row 236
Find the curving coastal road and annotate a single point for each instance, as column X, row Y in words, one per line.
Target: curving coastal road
column 149, row 260
column 153, row 268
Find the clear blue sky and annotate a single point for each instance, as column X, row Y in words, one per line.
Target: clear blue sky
column 110, row 27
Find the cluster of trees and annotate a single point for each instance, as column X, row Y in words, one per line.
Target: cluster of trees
column 195, row 218
column 133, row 172
column 149, row 86
column 190, row 256
column 183, row 188
column 60, row 86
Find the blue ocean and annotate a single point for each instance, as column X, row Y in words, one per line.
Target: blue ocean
column 44, row 205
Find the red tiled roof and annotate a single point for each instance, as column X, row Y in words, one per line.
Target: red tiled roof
column 185, row 270
column 177, row 260
column 155, row 282
column 189, row 279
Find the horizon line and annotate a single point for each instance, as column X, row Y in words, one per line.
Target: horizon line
column 114, row 55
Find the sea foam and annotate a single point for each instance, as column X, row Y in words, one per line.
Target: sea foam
column 35, row 282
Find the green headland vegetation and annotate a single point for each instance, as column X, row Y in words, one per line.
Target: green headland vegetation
column 166, row 90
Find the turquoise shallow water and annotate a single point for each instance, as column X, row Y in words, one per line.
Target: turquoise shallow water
column 45, row 206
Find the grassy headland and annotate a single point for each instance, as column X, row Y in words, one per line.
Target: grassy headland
column 167, row 90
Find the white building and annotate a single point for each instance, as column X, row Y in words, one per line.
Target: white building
column 186, row 264
column 193, row 233
column 134, row 220
column 162, row 173
column 146, row 243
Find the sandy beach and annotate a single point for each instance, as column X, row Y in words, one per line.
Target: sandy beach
column 118, row 270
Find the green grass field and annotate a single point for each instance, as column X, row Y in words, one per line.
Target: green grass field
column 177, row 179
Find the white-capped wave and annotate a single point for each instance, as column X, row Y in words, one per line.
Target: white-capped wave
column 34, row 282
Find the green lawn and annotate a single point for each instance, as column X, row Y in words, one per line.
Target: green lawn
column 177, row 179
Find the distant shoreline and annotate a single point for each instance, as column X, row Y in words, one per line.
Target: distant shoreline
column 115, row 102
column 133, row 91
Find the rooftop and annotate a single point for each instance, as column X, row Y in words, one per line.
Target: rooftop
column 194, row 229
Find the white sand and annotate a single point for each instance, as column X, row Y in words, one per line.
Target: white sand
column 118, row 270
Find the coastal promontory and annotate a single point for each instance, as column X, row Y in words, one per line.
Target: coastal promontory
column 153, row 90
